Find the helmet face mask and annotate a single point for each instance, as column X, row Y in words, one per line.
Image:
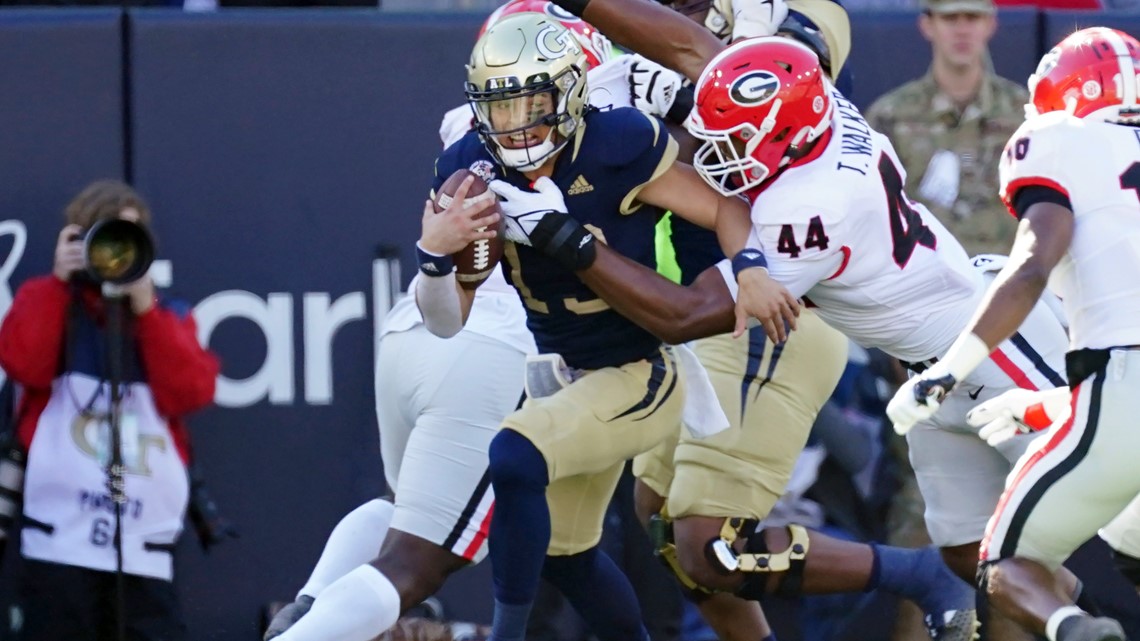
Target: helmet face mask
column 1091, row 73
column 758, row 104
column 526, row 85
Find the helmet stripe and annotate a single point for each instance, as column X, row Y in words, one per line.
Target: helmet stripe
column 1124, row 60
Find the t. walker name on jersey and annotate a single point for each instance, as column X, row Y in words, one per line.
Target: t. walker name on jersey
column 854, row 136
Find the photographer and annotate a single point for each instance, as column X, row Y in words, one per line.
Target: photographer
column 55, row 344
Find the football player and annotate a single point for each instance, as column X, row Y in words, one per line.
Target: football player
column 1071, row 174
column 615, row 390
column 902, row 286
column 437, row 411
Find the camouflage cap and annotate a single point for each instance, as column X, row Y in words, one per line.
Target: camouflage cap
column 959, row 6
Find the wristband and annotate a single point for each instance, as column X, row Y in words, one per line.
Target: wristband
column 746, row 259
column 575, row 7
column 433, row 265
column 963, row 356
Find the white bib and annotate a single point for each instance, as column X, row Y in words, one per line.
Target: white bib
column 65, row 486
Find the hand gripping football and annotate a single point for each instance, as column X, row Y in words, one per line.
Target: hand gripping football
column 475, row 262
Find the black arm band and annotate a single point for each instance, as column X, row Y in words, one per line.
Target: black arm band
column 576, row 7
column 565, row 240
column 1033, row 194
column 682, row 105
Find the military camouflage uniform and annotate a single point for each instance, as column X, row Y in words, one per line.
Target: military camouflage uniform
column 920, row 121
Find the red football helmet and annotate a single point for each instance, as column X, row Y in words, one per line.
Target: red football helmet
column 757, row 102
column 1093, row 71
column 597, row 47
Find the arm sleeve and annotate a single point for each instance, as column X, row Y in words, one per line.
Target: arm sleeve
column 32, row 335
column 1030, row 195
column 180, row 372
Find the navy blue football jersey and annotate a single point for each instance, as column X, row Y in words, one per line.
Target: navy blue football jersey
column 600, row 172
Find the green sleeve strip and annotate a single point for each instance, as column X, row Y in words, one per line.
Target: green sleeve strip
column 666, row 256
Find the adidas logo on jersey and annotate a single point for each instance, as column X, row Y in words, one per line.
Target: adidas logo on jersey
column 580, row 186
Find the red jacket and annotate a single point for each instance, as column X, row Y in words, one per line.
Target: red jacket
column 181, row 374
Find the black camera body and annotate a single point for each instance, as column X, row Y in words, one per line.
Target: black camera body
column 116, row 251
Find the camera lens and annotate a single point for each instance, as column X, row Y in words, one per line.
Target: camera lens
column 118, row 251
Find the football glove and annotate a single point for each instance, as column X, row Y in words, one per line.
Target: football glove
column 1019, row 411
column 652, row 88
column 919, row 398
column 540, row 219
column 752, row 18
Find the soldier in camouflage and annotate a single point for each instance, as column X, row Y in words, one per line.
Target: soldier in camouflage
column 949, row 126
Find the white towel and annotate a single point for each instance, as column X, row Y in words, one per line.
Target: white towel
column 702, row 414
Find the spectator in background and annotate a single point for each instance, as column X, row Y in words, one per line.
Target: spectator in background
column 53, row 344
column 949, row 126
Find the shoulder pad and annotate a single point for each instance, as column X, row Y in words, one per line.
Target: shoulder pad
column 625, row 134
column 1039, row 152
column 466, row 153
column 788, row 203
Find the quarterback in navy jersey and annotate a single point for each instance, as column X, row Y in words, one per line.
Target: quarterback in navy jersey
column 604, row 389
column 615, row 153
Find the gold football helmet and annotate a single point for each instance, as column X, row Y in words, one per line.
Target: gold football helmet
column 526, row 83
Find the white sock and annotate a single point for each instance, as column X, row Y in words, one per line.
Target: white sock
column 354, row 541
column 1057, row 617
column 356, row 607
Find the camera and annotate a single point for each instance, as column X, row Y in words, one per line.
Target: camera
column 116, row 251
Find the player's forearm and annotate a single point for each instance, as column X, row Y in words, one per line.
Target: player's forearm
column 443, row 304
column 1042, row 239
column 1008, row 302
column 673, row 313
column 656, row 32
column 733, row 225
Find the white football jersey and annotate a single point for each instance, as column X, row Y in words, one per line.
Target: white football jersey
column 880, row 268
column 1097, row 164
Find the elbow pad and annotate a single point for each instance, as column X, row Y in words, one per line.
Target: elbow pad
column 438, row 300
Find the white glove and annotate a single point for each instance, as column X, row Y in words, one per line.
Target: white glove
column 652, row 88
column 919, row 398
column 523, row 210
column 752, row 18
column 1019, row 411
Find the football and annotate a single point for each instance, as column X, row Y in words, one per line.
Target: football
column 475, row 262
